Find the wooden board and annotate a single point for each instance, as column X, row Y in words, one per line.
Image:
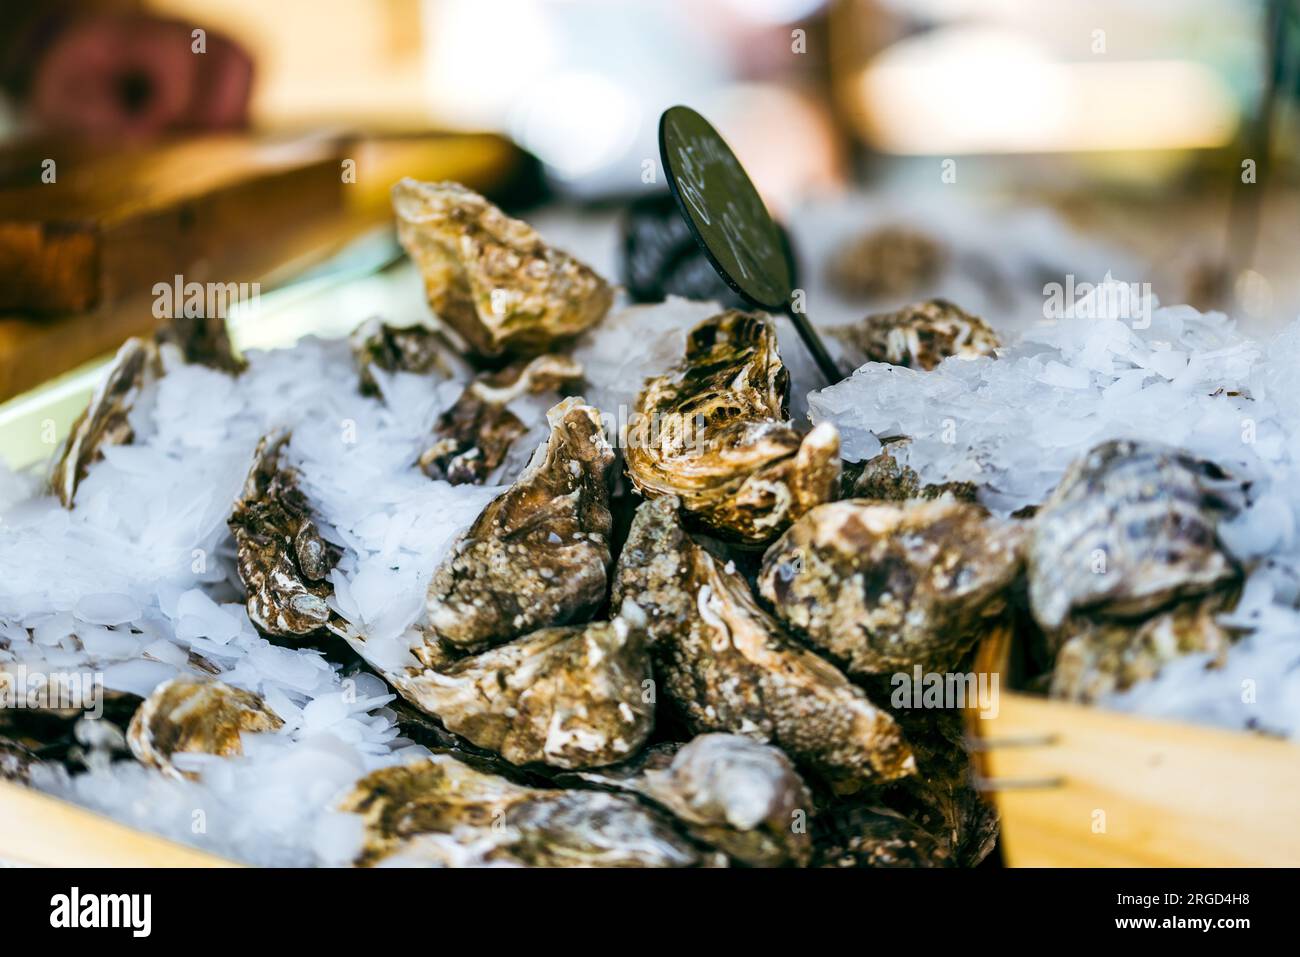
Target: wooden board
column 37, row 829
column 1086, row 787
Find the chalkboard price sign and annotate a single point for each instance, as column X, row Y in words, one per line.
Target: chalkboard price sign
column 730, row 221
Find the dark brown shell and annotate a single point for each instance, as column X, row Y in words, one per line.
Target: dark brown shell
column 885, row 479
column 191, row 716
column 569, row 697
column 419, row 349
column 714, row 434
column 726, row 665
column 202, row 340
column 492, row 278
column 883, row 587
column 536, row 556
column 476, row 433
column 282, row 559
column 1132, row 526
column 918, row 336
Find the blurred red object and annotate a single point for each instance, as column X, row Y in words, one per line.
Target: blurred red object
column 137, row 76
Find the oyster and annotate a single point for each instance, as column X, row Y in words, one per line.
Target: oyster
column 568, row 697
column 1131, row 527
column 732, row 793
column 201, row 340
column 536, row 556
column 727, row 666
column 492, row 278
column 883, row 587
column 477, row 432
column 105, row 420
column 441, row 811
column 885, row 479
column 192, row 716
column 850, row 834
column 713, row 433
column 918, row 336
column 283, row 561
column 893, row 260
column 419, row 349
column 1101, row 656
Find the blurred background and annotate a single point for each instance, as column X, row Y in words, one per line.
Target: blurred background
column 970, row 148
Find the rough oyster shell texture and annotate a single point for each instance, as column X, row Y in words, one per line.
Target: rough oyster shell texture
column 189, row 716
column 476, row 433
column 885, row 479
column 203, row 340
column 492, row 278
column 883, row 587
column 1131, row 527
column 378, row 345
column 731, row 792
column 726, row 665
column 567, row 697
column 282, row 559
column 538, row 555
column 893, row 260
column 918, row 336
column 105, row 421
column 713, row 433
column 440, row 811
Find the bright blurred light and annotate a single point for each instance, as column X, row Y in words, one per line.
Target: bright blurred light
column 773, row 11
column 980, row 90
column 479, row 55
column 576, row 122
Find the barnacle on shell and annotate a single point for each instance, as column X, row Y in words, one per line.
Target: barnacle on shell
column 883, row 586
column 569, row 697
column 536, row 556
column 726, row 665
column 474, row 436
column 282, row 559
column 1131, row 527
column 105, row 420
column 714, row 434
column 192, row 716
column 918, row 336
column 440, row 811
column 492, row 278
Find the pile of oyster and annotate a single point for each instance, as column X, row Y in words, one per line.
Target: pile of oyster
column 681, row 652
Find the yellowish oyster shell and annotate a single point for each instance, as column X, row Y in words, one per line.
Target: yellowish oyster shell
column 491, row 278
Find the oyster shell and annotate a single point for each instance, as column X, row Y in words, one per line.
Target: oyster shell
column 105, row 420
column 713, row 433
column 568, row 697
column 893, row 260
column 1101, row 656
column 885, row 479
column 732, row 793
column 1131, row 527
column 918, row 336
column 477, row 432
column 727, row 665
column 883, row 587
column 193, row 716
column 201, row 340
column 420, row 349
column 854, row 835
column 492, row 278
column 536, row 556
column 283, row 561
column 441, row 811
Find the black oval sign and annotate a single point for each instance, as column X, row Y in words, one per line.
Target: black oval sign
column 723, row 209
